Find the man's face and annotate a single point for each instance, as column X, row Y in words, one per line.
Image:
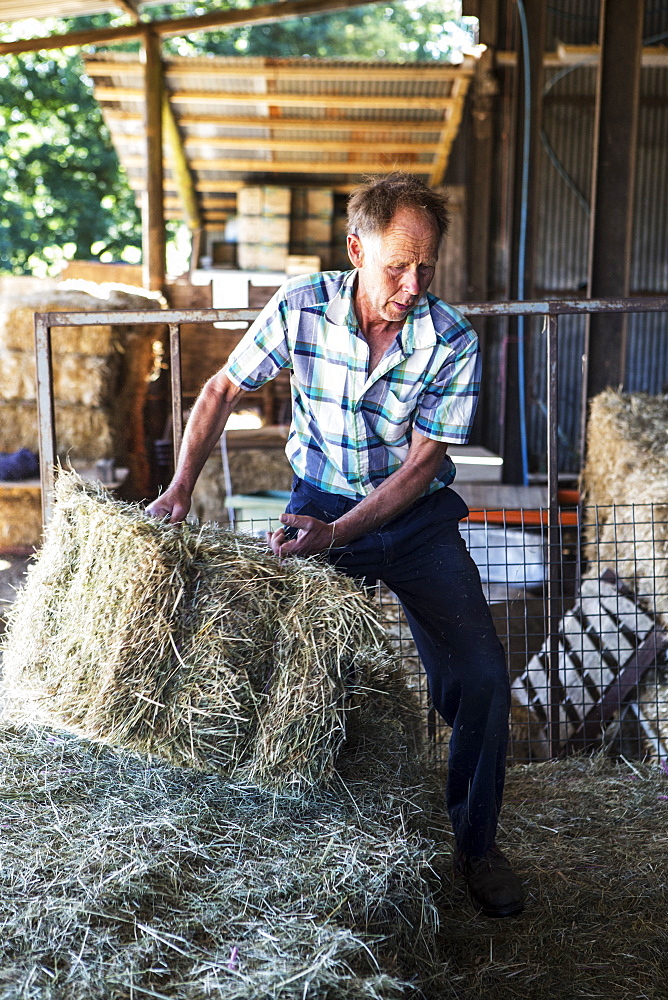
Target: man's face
column 395, row 267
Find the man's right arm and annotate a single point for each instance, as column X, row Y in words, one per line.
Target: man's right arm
column 205, row 425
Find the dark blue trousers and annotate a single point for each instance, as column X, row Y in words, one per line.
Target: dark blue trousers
column 423, row 559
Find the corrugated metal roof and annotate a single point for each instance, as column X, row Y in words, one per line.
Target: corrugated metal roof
column 290, row 121
column 16, row 10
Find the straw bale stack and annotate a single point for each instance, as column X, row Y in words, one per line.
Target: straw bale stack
column 83, row 432
column 193, row 644
column 625, row 482
column 99, row 375
column 21, row 514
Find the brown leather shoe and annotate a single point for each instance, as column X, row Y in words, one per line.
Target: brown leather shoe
column 492, row 883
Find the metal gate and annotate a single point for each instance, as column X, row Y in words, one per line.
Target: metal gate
column 587, row 658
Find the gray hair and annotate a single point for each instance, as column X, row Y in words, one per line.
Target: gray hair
column 372, row 206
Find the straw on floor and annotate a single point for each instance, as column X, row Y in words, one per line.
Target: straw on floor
column 124, row 877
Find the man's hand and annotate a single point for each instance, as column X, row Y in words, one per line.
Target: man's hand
column 313, row 536
column 174, row 503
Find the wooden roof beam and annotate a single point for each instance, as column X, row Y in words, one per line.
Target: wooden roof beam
column 450, row 129
column 291, row 167
column 331, row 145
column 194, row 67
column 153, row 219
column 178, row 162
column 266, row 13
column 398, row 101
column 130, row 7
column 576, row 55
column 281, row 124
column 229, row 186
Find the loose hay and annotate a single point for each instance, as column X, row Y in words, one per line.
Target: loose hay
column 588, row 836
column 125, row 877
column 193, row 644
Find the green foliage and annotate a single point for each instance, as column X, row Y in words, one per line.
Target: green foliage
column 414, row 29
column 64, row 193
column 62, row 190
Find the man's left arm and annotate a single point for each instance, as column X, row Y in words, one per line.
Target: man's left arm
column 394, row 495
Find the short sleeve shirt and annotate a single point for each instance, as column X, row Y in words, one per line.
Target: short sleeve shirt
column 351, row 428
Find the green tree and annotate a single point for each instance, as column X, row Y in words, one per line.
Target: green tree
column 63, row 191
column 409, row 30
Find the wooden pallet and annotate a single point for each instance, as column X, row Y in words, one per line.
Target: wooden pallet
column 607, row 643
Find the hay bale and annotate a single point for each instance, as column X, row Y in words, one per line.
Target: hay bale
column 625, row 482
column 193, row 644
column 77, row 379
column 20, row 515
column 627, row 450
column 83, row 432
column 99, row 369
column 17, row 317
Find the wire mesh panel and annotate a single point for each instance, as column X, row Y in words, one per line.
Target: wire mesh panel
column 613, row 649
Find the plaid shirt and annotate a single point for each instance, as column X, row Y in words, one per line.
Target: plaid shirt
column 351, row 428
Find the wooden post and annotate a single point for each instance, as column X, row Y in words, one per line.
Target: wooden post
column 180, row 169
column 153, row 216
column 613, row 182
column 481, row 181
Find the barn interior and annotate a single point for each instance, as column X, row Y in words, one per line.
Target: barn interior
column 549, row 136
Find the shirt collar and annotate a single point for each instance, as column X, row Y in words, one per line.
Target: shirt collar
column 418, row 330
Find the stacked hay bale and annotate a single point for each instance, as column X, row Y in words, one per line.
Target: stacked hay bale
column 99, row 375
column 193, row 644
column 625, row 485
column 623, row 593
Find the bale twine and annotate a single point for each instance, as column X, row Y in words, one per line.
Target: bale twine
column 194, row 644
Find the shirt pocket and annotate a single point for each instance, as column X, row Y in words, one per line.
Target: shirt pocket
column 395, row 417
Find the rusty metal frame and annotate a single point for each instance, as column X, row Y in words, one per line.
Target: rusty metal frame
column 550, row 309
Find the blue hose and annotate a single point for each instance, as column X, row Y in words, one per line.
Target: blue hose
column 521, row 254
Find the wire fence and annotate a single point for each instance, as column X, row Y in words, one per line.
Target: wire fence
column 612, row 644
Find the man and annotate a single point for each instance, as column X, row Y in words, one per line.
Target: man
column 384, row 377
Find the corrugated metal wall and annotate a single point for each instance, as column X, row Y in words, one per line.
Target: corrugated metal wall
column 562, row 245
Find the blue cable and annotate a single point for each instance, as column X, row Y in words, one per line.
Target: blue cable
column 521, row 254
